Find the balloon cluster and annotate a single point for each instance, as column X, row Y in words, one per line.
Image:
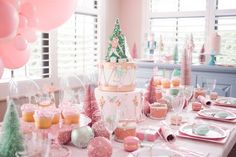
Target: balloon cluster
column 19, row 21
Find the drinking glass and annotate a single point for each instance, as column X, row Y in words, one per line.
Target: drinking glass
column 110, row 117
column 177, row 105
column 210, row 85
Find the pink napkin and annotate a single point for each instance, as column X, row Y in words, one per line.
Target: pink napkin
column 220, row 141
column 167, row 134
column 204, row 101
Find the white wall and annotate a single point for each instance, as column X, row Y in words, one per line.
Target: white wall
column 132, row 18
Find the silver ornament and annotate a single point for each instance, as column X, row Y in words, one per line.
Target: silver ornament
column 81, row 136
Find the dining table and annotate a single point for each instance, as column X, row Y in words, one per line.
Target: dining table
column 195, row 147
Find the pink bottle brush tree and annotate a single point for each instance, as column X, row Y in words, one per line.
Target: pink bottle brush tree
column 185, row 69
column 91, row 108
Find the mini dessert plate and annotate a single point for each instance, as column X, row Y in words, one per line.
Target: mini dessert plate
column 155, row 152
column 228, row 102
column 217, row 114
column 214, row 132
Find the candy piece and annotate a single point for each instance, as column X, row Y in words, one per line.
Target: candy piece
column 99, row 147
column 131, row 143
column 196, row 106
column 176, row 120
column 222, row 114
column 213, row 95
column 174, row 91
column 200, row 129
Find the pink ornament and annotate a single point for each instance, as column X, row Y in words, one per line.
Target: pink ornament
column 100, row 129
column 51, row 13
column 99, row 147
column 1, row 68
column 20, row 43
column 64, row 136
column 15, row 3
column 23, row 21
column 9, row 20
column 13, row 58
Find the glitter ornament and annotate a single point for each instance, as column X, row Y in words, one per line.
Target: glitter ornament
column 99, row 147
column 80, row 137
column 64, row 136
column 100, row 130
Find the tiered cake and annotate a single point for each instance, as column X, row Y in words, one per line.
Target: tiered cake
column 116, row 84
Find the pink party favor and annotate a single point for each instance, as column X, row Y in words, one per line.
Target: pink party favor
column 131, row 143
column 204, row 101
column 147, row 134
column 167, row 134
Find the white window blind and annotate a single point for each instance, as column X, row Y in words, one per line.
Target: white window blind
column 77, row 47
column 38, row 64
column 173, row 20
column 225, row 25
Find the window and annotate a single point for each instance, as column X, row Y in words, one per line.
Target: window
column 176, row 19
column 78, row 40
column 225, row 25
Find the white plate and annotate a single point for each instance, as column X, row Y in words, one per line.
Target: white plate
column 226, row 102
column 214, row 132
column 156, row 152
column 212, row 114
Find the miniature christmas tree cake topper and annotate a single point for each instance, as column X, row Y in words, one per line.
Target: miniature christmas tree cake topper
column 117, row 46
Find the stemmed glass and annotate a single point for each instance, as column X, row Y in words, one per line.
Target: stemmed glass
column 177, row 105
column 110, row 117
column 210, row 85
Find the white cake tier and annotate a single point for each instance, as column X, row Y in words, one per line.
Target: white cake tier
column 129, row 103
column 117, row 77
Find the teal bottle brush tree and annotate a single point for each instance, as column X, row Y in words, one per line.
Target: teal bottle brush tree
column 176, row 54
column 116, row 48
column 11, row 140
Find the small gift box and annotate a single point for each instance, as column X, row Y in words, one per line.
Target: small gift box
column 147, row 134
column 125, row 129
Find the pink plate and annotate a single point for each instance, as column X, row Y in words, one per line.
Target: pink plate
column 212, row 113
column 215, row 133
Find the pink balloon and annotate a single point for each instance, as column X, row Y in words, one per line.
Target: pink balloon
column 20, row 42
column 15, row 3
column 53, row 13
column 29, row 34
column 23, row 21
column 9, row 20
column 33, row 22
column 13, row 58
column 28, row 10
column 1, row 68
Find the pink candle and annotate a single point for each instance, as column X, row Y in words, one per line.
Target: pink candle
column 215, row 42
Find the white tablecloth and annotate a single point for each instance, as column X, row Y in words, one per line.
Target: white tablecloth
column 213, row 149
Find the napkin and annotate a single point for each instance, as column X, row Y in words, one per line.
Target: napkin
column 204, row 101
column 167, row 134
